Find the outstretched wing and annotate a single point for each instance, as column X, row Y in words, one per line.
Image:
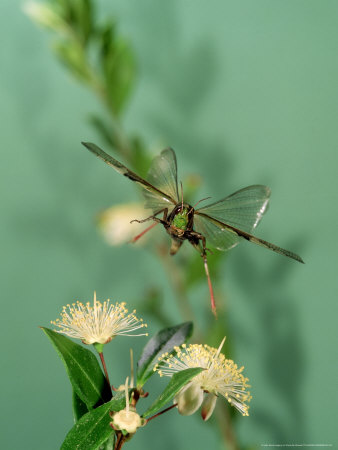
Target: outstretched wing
column 163, row 175
column 243, row 209
column 226, row 222
column 217, row 236
column 163, row 198
column 233, row 236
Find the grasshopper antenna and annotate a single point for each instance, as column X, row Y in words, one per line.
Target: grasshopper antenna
column 202, row 200
column 199, row 201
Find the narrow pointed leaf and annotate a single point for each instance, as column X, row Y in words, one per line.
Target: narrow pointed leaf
column 176, row 383
column 164, row 341
column 79, row 407
column 82, row 368
column 93, row 429
column 104, row 130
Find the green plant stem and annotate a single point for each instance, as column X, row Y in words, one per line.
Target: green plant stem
column 226, row 427
column 124, row 148
column 96, row 83
column 176, row 281
column 105, row 370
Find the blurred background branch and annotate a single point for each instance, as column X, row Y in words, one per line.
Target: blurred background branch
column 96, row 54
column 100, row 58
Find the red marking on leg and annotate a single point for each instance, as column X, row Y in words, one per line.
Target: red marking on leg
column 212, row 298
column 136, row 238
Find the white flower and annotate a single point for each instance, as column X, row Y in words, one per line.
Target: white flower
column 220, row 377
column 115, row 225
column 98, row 324
column 127, row 420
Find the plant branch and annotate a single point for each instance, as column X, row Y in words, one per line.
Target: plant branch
column 162, row 412
column 175, row 279
column 96, row 82
column 120, row 440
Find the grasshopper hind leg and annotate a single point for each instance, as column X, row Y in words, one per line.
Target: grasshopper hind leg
column 195, row 241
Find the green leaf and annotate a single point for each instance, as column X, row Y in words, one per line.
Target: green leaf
column 164, row 341
column 70, row 55
column 84, row 19
column 178, row 380
column 82, row 368
column 109, row 444
column 79, row 16
column 140, row 158
column 79, row 408
column 104, row 129
column 118, row 67
column 93, row 429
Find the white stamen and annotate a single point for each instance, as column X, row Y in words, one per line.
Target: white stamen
column 127, row 395
column 221, row 375
column 220, row 347
column 99, row 323
column 131, row 368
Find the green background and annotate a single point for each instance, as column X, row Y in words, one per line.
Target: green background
column 246, row 93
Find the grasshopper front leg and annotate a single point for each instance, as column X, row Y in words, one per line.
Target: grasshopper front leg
column 155, row 219
column 163, row 221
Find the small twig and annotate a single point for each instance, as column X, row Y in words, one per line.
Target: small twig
column 119, row 441
column 162, row 412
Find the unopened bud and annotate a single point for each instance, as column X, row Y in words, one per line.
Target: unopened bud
column 189, row 399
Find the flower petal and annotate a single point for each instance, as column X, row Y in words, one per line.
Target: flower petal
column 208, row 406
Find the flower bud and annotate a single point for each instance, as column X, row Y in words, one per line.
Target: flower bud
column 189, row 399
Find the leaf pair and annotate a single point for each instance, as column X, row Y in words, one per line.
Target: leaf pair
column 93, row 429
column 92, row 400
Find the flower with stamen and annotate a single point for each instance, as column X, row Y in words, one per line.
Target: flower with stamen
column 220, row 377
column 98, row 324
column 127, row 420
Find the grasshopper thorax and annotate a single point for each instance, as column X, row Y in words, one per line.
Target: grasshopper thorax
column 182, row 217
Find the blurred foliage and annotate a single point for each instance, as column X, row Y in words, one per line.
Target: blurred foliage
column 99, row 57
column 94, row 53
